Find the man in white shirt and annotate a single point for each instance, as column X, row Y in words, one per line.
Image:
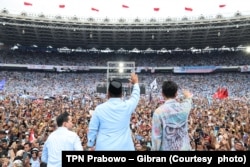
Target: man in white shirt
column 62, row 139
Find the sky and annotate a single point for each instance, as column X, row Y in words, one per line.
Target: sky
column 136, row 8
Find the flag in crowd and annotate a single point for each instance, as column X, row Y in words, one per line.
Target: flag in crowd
column 153, row 85
column 209, row 100
column 221, row 93
column 31, row 135
column 2, row 84
column 150, row 97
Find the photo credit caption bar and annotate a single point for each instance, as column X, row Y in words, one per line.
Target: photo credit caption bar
column 159, row 158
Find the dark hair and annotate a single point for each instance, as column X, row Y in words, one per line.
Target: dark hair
column 28, row 143
column 26, row 154
column 64, row 117
column 18, row 158
column 34, row 150
column 115, row 88
column 20, row 147
column 169, row 89
column 43, row 164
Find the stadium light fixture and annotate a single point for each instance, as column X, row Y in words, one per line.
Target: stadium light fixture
column 248, row 49
column 121, row 64
column 121, row 70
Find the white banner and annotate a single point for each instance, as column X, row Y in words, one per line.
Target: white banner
column 245, row 68
column 153, row 85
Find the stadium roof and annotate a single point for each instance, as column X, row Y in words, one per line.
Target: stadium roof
column 127, row 8
column 151, row 26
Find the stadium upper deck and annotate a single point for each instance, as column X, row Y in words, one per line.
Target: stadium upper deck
column 168, row 33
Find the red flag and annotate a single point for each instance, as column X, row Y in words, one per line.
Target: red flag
column 224, row 93
column 61, row 6
column 156, row 9
column 32, row 136
column 27, row 4
column 49, row 115
column 188, row 9
column 222, row 5
column 221, row 93
column 94, row 9
column 125, row 6
column 217, row 93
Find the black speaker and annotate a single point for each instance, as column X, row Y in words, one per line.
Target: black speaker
column 127, row 90
column 101, row 89
column 143, row 90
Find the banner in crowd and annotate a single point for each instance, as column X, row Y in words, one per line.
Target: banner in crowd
column 151, row 69
column 40, row 67
column 195, row 69
column 57, row 68
column 245, row 68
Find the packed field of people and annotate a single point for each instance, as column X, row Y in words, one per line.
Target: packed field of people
column 30, row 102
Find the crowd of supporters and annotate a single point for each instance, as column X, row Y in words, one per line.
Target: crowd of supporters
column 30, row 102
column 151, row 60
